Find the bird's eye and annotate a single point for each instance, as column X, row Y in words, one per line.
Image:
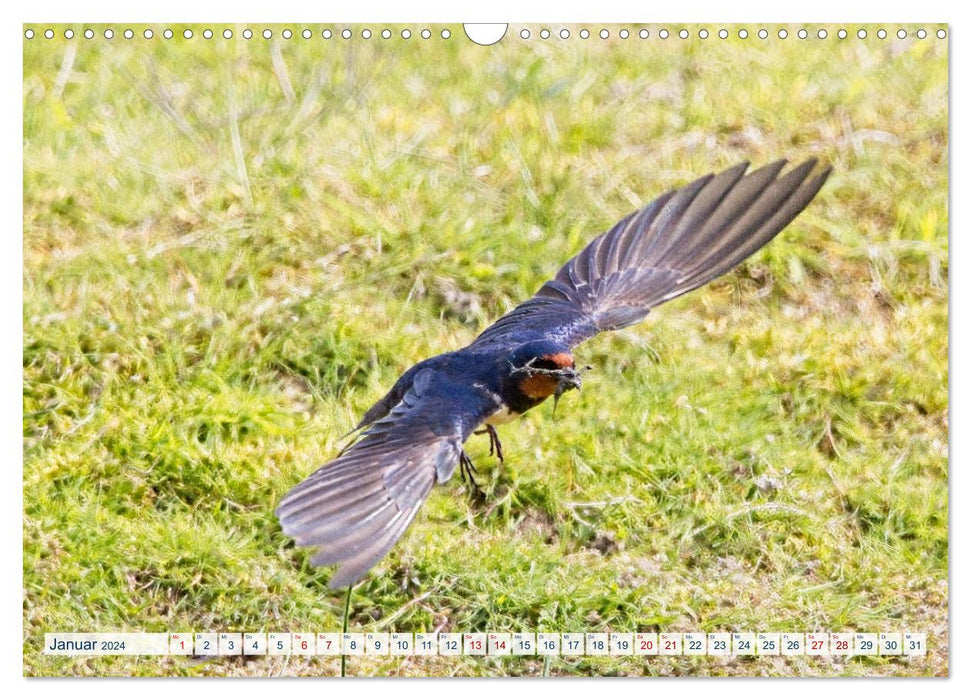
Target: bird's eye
column 545, row 364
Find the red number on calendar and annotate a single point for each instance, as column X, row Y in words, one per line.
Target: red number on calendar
column 817, row 644
column 842, row 645
column 669, row 645
column 303, row 645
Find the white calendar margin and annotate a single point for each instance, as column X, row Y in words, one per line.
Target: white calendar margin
column 566, row 11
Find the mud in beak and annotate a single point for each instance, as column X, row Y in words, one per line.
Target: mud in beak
column 569, row 379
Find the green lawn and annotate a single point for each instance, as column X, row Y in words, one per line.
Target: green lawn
column 232, row 248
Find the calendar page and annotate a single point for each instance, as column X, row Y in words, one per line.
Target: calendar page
column 520, row 349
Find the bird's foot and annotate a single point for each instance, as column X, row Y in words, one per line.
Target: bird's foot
column 495, row 447
column 468, row 469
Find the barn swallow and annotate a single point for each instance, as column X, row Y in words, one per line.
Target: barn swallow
column 354, row 508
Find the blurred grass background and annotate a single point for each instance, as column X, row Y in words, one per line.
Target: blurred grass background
column 233, row 247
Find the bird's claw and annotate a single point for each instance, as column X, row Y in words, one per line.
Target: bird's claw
column 468, row 469
column 495, row 447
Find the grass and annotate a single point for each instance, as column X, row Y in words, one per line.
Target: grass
column 232, row 248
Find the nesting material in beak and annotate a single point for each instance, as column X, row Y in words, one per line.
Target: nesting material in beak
column 569, row 379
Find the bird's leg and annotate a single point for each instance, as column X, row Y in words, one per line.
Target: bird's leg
column 495, row 447
column 468, row 469
column 494, row 441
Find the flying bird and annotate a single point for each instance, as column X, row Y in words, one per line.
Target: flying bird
column 354, row 508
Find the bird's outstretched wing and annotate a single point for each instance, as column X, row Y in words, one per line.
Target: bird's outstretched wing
column 680, row 241
column 356, row 507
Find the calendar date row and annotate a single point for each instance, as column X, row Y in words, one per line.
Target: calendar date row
column 489, row 644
